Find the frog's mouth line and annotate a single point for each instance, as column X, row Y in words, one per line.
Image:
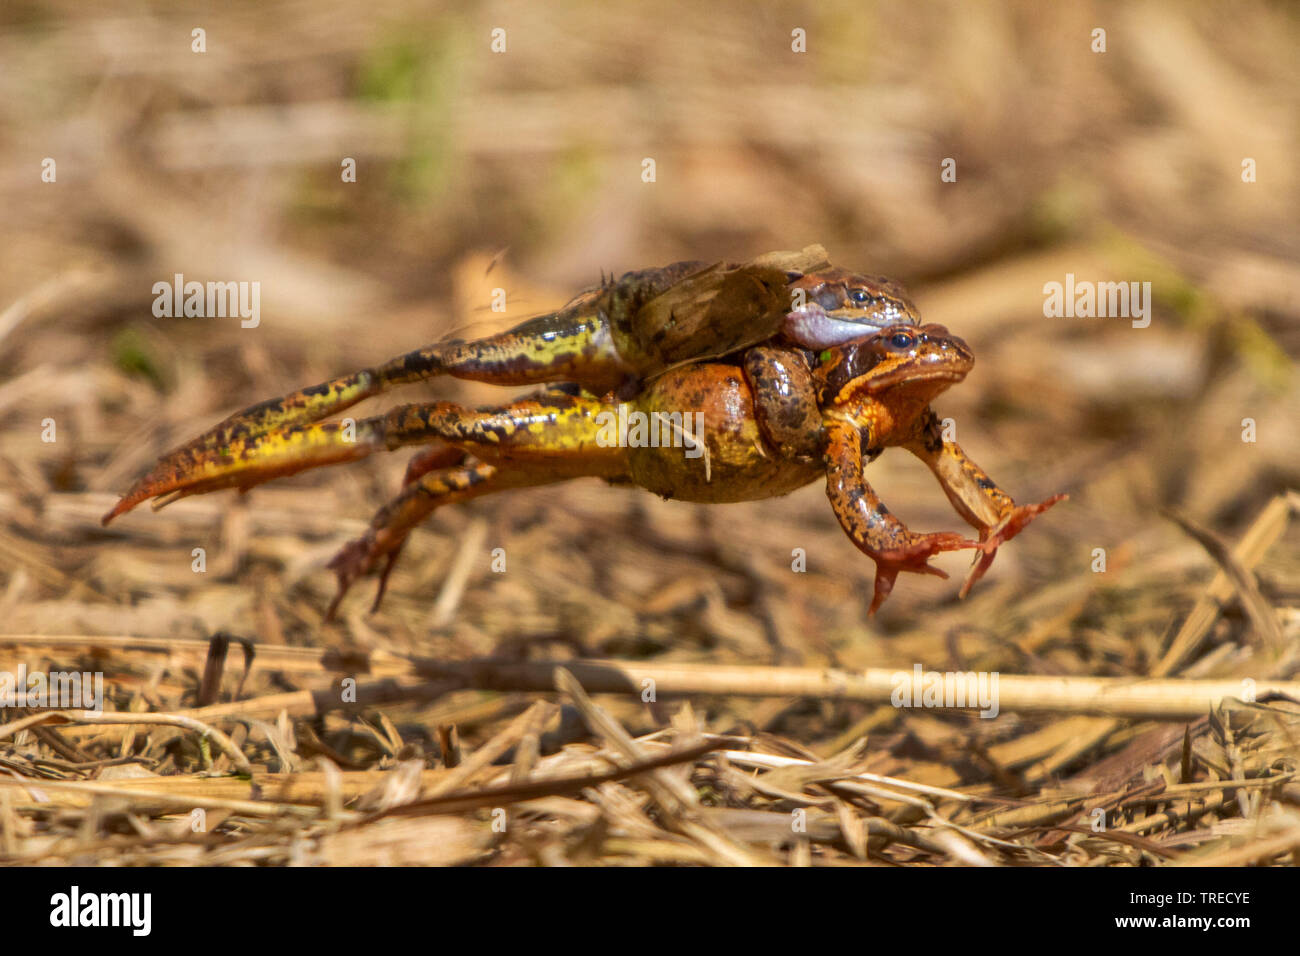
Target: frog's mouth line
column 910, row 375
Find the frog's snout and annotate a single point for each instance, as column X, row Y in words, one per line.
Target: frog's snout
column 951, row 348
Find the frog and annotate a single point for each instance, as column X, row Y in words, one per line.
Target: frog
column 809, row 373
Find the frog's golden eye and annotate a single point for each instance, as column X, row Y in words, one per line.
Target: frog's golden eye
column 902, row 340
column 860, row 296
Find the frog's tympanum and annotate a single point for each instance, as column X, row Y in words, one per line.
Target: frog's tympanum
column 786, row 369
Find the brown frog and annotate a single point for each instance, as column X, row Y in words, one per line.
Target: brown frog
column 824, row 370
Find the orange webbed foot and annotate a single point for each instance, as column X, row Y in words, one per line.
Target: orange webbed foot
column 914, row 556
column 1011, row 525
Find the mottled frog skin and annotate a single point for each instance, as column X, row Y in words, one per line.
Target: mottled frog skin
column 791, row 375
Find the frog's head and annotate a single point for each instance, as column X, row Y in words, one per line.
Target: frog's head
column 834, row 306
column 911, row 362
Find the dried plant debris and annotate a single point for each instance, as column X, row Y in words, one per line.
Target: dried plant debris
column 314, row 777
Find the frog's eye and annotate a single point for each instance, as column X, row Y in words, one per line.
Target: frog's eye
column 901, row 340
column 860, row 296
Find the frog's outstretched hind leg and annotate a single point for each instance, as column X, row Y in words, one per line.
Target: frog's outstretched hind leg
column 572, row 344
column 541, row 438
column 245, row 461
column 530, row 427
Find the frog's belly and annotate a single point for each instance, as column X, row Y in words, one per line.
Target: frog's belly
column 692, row 480
column 706, row 444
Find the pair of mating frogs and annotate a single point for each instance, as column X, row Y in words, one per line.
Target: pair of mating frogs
column 797, row 370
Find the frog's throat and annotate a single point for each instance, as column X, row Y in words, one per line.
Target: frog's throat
column 814, row 328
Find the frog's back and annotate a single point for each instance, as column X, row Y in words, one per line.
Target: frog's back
column 693, row 311
column 619, row 335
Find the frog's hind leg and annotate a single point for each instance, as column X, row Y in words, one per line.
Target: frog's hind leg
column 573, row 344
column 432, row 458
column 438, row 456
column 546, row 437
column 389, row 528
column 541, row 439
column 277, row 437
column 380, row 547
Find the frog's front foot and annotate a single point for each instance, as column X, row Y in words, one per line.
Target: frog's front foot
column 913, row 556
column 1011, row 524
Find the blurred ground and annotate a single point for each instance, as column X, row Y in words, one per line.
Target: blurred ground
column 225, row 165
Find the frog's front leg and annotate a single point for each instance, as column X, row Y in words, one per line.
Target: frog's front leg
column 975, row 496
column 785, row 401
column 867, row 521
